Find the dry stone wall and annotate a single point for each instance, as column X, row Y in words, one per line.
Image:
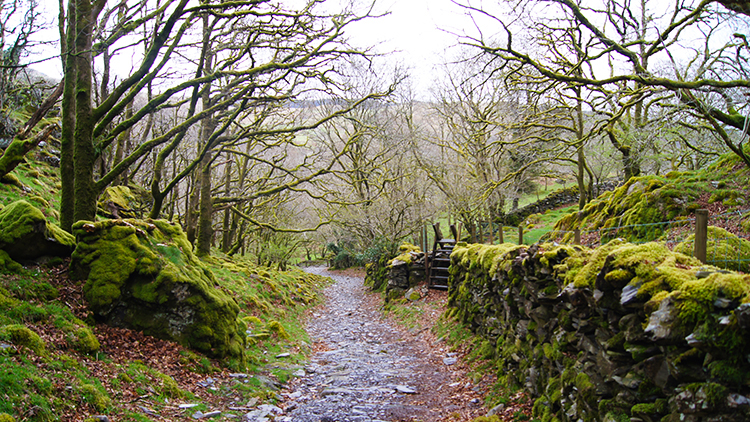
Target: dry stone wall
column 619, row 333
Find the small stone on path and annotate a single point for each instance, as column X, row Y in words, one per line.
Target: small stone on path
column 406, row 390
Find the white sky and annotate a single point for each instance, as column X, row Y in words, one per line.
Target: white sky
column 420, row 33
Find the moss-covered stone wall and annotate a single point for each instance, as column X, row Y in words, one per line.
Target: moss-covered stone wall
column 608, row 334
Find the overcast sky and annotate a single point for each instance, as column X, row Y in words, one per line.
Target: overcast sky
column 420, row 33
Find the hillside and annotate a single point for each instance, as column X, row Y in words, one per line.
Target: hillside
column 663, row 208
column 59, row 361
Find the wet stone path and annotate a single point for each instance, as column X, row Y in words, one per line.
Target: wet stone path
column 366, row 371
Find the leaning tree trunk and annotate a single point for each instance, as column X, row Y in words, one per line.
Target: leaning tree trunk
column 15, row 152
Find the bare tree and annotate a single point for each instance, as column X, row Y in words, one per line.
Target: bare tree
column 257, row 54
column 625, row 54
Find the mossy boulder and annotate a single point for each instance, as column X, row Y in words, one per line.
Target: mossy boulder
column 123, row 202
column 23, row 336
column 630, row 210
column 26, row 234
column 143, row 275
column 723, row 249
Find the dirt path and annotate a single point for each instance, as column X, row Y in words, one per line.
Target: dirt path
column 367, row 369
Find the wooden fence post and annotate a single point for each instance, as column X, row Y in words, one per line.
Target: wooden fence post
column 520, row 234
column 701, row 235
column 500, row 233
column 577, row 236
column 421, row 238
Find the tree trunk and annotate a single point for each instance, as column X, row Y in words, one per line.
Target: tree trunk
column 191, row 207
column 84, row 154
column 123, row 142
column 205, row 215
column 68, row 121
column 226, row 240
column 15, row 152
column 583, row 193
column 630, row 165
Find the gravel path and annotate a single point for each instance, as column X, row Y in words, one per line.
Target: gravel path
column 365, row 369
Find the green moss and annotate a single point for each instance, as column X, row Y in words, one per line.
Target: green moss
column 745, row 222
column 617, row 417
column 4, row 417
column 84, row 341
column 697, row 295
column 493, row 418
column 130, row 265
column 276, row 327
column 408, row 247
column 124, row 198
column 95, row 397
column 23, row 336
column 728, row 372
column 169, row 387
column 630, row 210
column 660, row 406
column 618, row 276
column 585, row 387
column 404, row 257
column 586, row 276
column 11, row 179
column 715, row 394
column 20, row 222
column 616, row 342
column 7, row 264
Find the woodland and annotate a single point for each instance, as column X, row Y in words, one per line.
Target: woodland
column 253, row 122
column 269, row 137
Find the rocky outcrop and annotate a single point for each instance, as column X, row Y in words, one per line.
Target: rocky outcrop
column 143, row 275
column 622, row 331
column 26, row 234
